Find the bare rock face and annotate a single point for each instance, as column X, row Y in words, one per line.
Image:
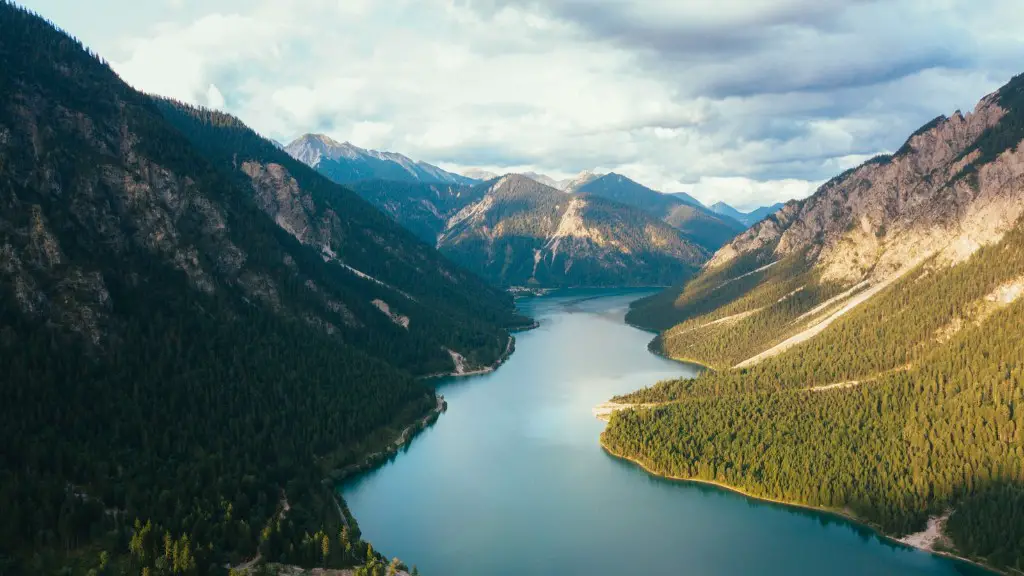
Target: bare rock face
column 103, row 198
column 121, row 202
column 766, row 233
column 522, row 232
column 345, row 163
column 929, row 198
column 278, row 194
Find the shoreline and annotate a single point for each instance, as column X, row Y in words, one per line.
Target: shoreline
column 834, row 512
column 605, row 410
column 682, row 360
column 509, row 349
column 292, row 570
column 532, row 326
column 332, row 482
column 375, row 459
column 660, row 353
column 372, row 461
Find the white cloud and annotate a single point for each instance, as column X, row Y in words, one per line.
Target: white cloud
column 180, row 61
column 745, row 101
column 372, row 135
column 214, row 99
column 747, row 194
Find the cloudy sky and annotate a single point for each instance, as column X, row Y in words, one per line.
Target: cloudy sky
column 746, row 101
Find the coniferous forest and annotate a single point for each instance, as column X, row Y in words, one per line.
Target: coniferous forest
column 180, row 372
column 906, row 408
column 201, row 335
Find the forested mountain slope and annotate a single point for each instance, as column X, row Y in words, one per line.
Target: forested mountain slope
column 344, row 163
column 423, row 209
column 520, row 232
column 953, row 187
column 194, row 327
column 687, row 198
column 869, row 345
column 445, row 299
column 909, row 406
column 515, row 231
column 581, row 179
column 700, row 224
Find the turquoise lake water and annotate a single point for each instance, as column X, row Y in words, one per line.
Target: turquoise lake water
column 511, row 479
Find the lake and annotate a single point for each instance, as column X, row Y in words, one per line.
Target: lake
column 511, row 479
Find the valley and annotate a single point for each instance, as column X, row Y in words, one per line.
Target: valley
column 522, row 348
column 519, row 230
column 519, row 445
column 859, row 355
column 748, row 219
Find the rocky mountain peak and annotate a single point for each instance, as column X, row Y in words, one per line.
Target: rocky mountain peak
column 542, row 178
column 478, row 174
column 345, row 162
column 954, row 186
column 581, row 179
column 311, row 148
column 517, row 231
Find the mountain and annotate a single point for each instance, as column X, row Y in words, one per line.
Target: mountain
column 479, row 175
column 567, row 185
column 869, row 345
column 343, row 163
column 423, row 209
column 515, row 231
column 726, row 210
column 686, row 198
column 544, row 179
column 520, row 232
column 696, row 222
column 195, row 329
column 748, row 219
column 576, row 183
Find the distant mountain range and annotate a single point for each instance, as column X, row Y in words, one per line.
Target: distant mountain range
column 422, row 208
column 522, row 229
column 515, row 231
column 748, row 219
column 343, row 162
column 712, row 226
column 426, row 199
column 546, row 180
column 696, row 222
column 581, row 179
column 686, row 198
column 566, row 185
column 479, row 175
column 346, row 163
